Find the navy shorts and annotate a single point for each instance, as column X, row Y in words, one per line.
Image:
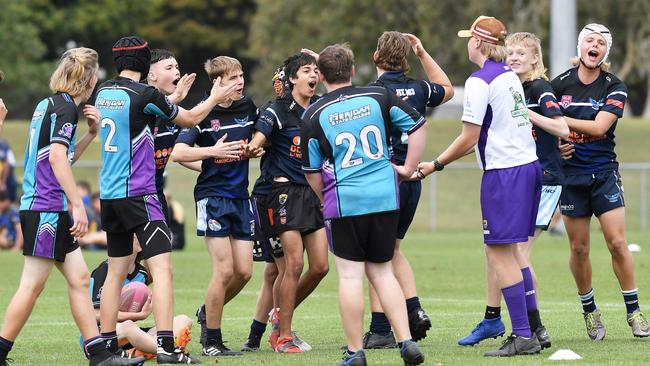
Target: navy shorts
column 265, row 248
column 409, row 196
column 293, row 207
column 591, row 194
column 221, row 217
column 47, row 234
column 509, row 202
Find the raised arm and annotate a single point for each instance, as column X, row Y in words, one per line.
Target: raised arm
column 218, row 94
column 431, row 68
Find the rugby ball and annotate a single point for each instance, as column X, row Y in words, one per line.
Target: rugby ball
column 133, row 297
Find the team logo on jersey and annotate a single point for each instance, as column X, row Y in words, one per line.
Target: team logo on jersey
column 214, row 225
column 215, row 124
column 520, row 109
column 283, row 198
column 296, row 140
column 66, row 130
column 241, row 121
column 566, row 101
column 595, row 104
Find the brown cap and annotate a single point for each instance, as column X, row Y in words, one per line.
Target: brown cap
column 487, row 29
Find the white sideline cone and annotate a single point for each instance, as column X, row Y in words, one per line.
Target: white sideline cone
column 634, row 247
column 564, row 354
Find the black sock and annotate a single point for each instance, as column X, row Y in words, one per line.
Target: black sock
column 213, row 337
column 379, row 324
column 257, row 329
column 5, row 348
column 631, row 299
column 110, row 339
column 412, row 304
column 534, row 320
column 165, row 340
column 588, row 301
column 492, row 312
column 96, row 351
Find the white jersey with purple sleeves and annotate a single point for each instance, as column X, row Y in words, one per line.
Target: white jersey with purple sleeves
column 505, row 141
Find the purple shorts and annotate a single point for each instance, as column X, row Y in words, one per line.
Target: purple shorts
column 509, row 203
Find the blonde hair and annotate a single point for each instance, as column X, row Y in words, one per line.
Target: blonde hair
column 530, row 41
column 493, row 52
column 75, row 71
column 575, row 61
column 220, row 66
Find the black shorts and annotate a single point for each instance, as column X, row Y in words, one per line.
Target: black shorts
column 591, row 194
column 47, row 234
column 293, row 206
column 264, row 248
column 155, row 238
column 124, row 214
column 164, row 206
column 409, row 196
column 366, row 238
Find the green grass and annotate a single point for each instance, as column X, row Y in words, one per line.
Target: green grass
column 450, row 271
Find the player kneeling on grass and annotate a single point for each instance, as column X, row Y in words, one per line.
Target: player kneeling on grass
column 129, row 201
column 344, row 144
column 224, row 215
column 136, row 305
column 48, row 184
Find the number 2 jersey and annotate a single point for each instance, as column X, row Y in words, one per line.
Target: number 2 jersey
column 54, row 121
column 593, row 154
column 345, row 136
column 129, row 110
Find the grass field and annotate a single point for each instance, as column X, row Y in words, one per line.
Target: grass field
column 450, row 272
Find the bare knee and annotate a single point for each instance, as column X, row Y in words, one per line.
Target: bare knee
column 294, row 267
column 79, row 281
column 319, row 270
column 617, row 247
column 243, row 274
column 580, row 248
column 223, row 274
column 183, row 321
column 270, row 273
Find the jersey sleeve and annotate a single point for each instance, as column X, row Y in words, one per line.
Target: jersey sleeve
column 616, row 98
column 64, row 119
column 266, row 122
column 546, row 99
column 402, row 115
column 475, row 101
column 97, row 279
column 188, row 136
column 158, row 105
column 312, row 155
column 436, row 93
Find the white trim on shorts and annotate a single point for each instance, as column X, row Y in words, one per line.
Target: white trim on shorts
column 548, row 203
column 202, row 215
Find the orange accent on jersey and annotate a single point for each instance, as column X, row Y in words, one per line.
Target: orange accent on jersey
column 551, row 104
column 616, row 103
column 580, row 138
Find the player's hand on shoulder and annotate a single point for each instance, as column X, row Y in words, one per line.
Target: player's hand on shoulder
column 415, row 42
column 227, row 150
column 309, row 52
column 92, row 117
column 566, row 150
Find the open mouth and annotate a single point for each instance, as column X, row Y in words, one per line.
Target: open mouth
column 593, row 55
column 312, row 85
column 175, row 82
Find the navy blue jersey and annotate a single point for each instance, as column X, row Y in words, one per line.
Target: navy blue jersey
column 420, row 94
column 54, row 121
column 226, row 178
column 540, row 99
column 280, row 123
column 593, row 154
column 98, row 277
column 345, row 137
column 129, row 110
column 165, row 134
column 263, row 184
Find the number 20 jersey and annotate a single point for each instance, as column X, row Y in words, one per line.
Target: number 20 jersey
column 129, row 110
column 345, row 136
